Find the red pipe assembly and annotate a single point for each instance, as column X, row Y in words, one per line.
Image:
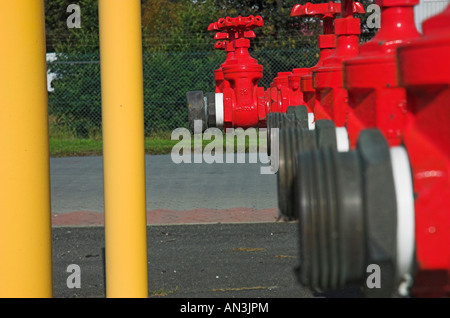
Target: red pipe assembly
column 243, row 101
column 295, row 88
column 328, row 78
column 303, row 78
column 238, row 101
column 326, row 42
column 374, row 95
column 383, row 201
column 322, row 85
column 424, row 70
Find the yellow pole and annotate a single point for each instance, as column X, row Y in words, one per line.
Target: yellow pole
column 123, row 148
column 25, row 219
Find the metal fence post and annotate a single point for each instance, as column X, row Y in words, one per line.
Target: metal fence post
column 25, row 218
column 123, row 148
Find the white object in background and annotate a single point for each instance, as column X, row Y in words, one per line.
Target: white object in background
column 51, row 57
column 426, row 9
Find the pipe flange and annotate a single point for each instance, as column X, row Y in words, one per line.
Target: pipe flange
column 269, row 124
column 196, row 109
column 380, row 209
column 301, row 115
column 211, row 109
column 286, row 120
column 290, row 110
column 326, row 134
column 292, row 140
column 277, row 121
column 329, row 206
column 348, row 206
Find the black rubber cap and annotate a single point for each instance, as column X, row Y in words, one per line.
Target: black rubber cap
column 196, row 109
column 211, row 109
column 331, row 221
column 326, row 133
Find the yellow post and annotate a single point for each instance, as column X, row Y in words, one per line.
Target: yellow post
column 25, row 218
column 123, row 148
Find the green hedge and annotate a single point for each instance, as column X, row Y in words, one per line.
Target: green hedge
column 75, row 103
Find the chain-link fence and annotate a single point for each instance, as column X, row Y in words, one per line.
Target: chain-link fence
column 75, row 91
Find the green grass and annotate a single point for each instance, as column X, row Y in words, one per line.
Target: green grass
column 92, row 147
column 157, row 144
column 75, row 147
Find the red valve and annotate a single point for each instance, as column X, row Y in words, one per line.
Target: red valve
column 225, row 46
column 240, row 24
column 218, row 73
column 327, row 79
column 296, row 88
column 220, row 45
column 327, row 12
column 279, row 92
column 375, row 98
column 286, row 86
column 324, row 11
column 242, row 102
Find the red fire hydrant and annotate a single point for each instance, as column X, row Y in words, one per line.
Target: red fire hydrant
column 295, row 88
column 328, row 78
column 287, row 85
column 424, row 70
column 374, row 95
column 384, row 206
column 279, row 93
column 243, row 101
column 326, row 43
column 237, row 100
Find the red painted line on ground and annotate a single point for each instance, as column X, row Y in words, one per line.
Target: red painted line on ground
column 162, row 216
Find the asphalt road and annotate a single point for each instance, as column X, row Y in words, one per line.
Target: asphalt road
column 249, row 260
column 77, row 185
column 221, row 260
column 215, row 260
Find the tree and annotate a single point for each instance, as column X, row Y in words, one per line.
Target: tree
column 181, row 25
column 62, row 39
